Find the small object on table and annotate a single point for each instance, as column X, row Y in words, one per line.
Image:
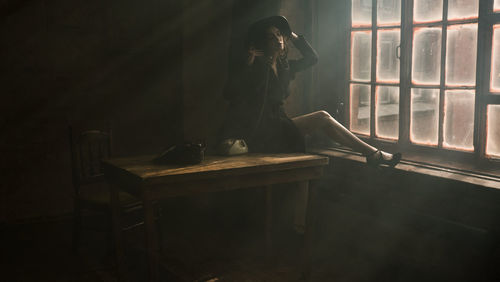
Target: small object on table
column 231, row 147
column 182, row 154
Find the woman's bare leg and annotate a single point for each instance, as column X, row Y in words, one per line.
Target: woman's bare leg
column 322, row 120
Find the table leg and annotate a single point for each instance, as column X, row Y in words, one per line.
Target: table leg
column 151, row 236
column 117, row 231
column 309, row 230
column 300, row 206
column 269, row 220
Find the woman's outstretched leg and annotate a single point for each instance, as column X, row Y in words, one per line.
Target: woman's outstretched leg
column 322, row 120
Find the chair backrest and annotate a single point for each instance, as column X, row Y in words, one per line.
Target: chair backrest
column 87, row 150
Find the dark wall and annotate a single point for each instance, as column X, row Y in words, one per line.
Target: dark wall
column 205, row 43
column 155, row 70
column 299, row 13
column 83, row 62
column 332, row 24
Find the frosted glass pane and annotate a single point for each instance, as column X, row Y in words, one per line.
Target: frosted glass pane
column 493, row 139
column 361, row 12
column 427, row 10
column 387, row 112
column 461, row 55
column 495, row 60
column 458, row 127
column 361, row 55
column 426, row 58
column 461, row 9
column 496, row 5
column 388, row 12
column 360, row 108
column 424, row 122
column 387, row 62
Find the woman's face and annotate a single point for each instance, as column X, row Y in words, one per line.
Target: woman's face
column 274, row 39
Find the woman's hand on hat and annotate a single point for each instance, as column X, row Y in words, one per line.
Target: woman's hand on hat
column 294, row 36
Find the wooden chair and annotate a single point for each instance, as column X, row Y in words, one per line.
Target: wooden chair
column 92, row 193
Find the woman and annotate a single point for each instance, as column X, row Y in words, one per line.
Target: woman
column 257, row 88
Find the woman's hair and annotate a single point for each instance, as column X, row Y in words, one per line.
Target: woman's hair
column 259, row 40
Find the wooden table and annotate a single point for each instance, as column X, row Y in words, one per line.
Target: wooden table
column 150, row 183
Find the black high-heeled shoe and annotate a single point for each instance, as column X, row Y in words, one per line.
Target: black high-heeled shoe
column 376, row 159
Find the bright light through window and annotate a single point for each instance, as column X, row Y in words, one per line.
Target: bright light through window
column 427, row 10
column 426, row 55
column 493, row 131
column 458, row 127
column 424, row 122
column 360, row 108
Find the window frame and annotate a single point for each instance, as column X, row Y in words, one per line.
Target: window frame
column 486, row 19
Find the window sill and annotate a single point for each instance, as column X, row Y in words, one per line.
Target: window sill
column 486, row 176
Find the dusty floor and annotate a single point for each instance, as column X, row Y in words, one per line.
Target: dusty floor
column 194, row 249
column 203, row 244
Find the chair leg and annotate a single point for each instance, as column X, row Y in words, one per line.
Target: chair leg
column 110, row 244
column 159, row 227
column 269, row 222
column 77, row 227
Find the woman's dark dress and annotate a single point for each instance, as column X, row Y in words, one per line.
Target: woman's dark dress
column 250, row 98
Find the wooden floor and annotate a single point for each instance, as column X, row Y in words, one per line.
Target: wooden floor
column 227, row 250
column 352, row 244
column 41, row 252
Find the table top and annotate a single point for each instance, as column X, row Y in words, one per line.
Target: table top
column 143, row 168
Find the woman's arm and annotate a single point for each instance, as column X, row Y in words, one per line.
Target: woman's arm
column 252, row 54
column 246, row 75
column 309, row 55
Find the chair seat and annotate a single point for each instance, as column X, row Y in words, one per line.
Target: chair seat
column 92, row 192
column 100, row 195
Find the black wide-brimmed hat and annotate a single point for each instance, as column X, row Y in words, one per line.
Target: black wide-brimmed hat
column 259, row 27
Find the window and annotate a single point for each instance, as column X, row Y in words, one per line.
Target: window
column 426, row 74
column 375, row 75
